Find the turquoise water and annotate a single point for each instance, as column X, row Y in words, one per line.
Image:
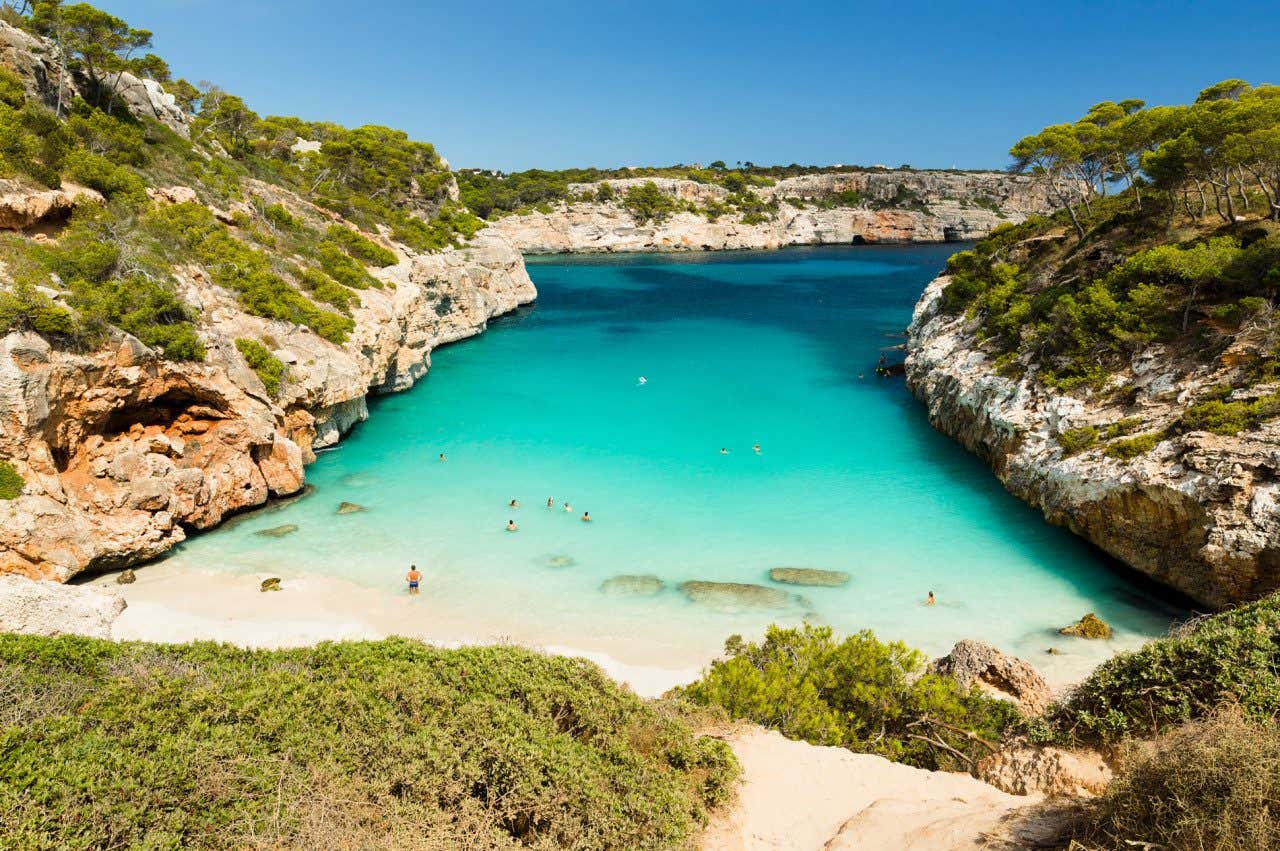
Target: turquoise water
column 737, row 349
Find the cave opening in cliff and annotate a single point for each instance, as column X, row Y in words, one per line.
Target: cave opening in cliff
column 163, row 410
column 858, row 239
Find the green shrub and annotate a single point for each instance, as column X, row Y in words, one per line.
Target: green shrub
column 11, row 483
column 1131, row 447
column 1076, row 440
column 1208, row 784
column 146, row 307
column 327, row 289
column 859, row 693
column 1176, row 679
column 1223, row 417
column 343, row 269
column 267, row 366
column 281, row 218
column 1120, row 428
column 97, row 172
column 390, row 744
column 24, row 308
column 361, row 248
column 648, row 203
column 451, row 226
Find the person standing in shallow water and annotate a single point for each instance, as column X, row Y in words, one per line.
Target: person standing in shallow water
column 586, row 517
column 511, row 526
column 441, row 456
column 413, row 577
column 551, row 503
column 929, row 601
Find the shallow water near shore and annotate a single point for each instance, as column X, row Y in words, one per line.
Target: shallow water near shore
column 736, row 349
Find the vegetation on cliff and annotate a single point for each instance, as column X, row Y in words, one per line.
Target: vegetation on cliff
column 859, row 693
column 391, row 744
column 112, row 265
column 1186, row 256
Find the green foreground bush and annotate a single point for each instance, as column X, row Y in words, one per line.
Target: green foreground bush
column 11, row 483
column 1172, row 680
column 859, row 693
column 1210, row 784
column 389, row 744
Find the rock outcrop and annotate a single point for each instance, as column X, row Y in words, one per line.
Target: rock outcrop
column 1026, row 769
column 1198, row 513
column 1004, row 676
column 895, row 206
column 23, row 207
column 35, row 607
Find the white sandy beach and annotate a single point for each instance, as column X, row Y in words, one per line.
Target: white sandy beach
column 179, row 605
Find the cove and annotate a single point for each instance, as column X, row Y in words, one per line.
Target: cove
column 737, row 349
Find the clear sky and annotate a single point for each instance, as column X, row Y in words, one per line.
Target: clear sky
column 553, row 84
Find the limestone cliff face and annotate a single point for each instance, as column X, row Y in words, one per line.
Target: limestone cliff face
column 122, row 451
column 941, row 206
column 1200, row 513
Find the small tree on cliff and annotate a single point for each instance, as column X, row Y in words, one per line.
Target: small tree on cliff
column 94, row 41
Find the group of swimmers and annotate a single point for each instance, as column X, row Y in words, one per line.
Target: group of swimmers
column 551, row 504
column 755, row 447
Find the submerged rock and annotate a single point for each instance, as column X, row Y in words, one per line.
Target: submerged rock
column 350, row 508
column 1005, row 676
column 272, row 584
column 633, row 585
column 126, row 577
column 733, row 596
column 809, row 576
column 1090, row 626
column 278, row 531
column 561, row 560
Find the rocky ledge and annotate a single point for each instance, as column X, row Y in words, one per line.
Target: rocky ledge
column 122, row 452
column 1198, row 513
column 896, row 207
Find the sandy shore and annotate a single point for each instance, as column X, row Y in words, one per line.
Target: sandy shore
column 174, row 606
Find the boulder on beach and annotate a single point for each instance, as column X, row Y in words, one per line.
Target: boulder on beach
column 272, row 584
column 278, row 531
column 1090, row 626
column 126, row 577
column 350, row 508
column 41, row 607
column 640, row 586
column 809, row 576
column 997, row 673
column 734, row 596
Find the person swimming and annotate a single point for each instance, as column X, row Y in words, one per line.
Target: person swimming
column 515, row 503
column 586, row 517
column 511, row 526
column 551, row 503
column 756, row 449
column 413, row 577
column 641, row 381
column 441, row 456
column 568, row 507
column 724, row 451
column 930, row 600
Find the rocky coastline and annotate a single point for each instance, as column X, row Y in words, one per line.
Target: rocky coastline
column 123, row 452
column 1197, row 514
column 894, row 206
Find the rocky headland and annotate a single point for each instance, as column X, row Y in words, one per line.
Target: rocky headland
column 120, row 450
column 836, row 208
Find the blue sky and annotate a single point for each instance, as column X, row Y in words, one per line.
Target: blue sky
column 555, row 84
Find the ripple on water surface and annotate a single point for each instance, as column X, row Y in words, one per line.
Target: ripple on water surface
column 776, row 349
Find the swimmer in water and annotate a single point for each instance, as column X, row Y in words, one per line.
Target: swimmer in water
column 724, row 451
column 586, row 517
column 568, row 507
column 551, row 503
column 441, row 456
column 515, row 503
column 756, row 449
column 511, row 526
column 642, row 381
column 929, row 601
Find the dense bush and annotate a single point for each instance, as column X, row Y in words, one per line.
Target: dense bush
column 343, row 269
column 11, row 483
column 391, row 744
column 360, row 247
column 648, row 203
column 1129, row 448
column 858, row 693
column 1210, row 784
column 259, row 358
column 1076, row 440
column 1180, row 678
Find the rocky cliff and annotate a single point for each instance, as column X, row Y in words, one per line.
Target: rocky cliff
column 1199, row 512
column 123, row 451
column 878, row 206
